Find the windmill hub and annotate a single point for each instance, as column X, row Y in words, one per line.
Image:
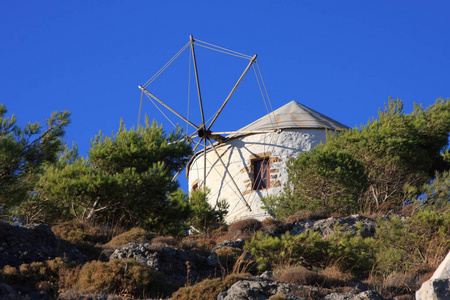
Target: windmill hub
column 207, row 134
column 202, row 132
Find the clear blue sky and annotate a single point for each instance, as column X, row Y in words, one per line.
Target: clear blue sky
column 342, row 58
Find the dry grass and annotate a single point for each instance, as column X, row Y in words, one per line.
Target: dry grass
column 208, row 289
column 307, row 215
column 243, row 228
column 245, row 264
column 199, row 243
column 395, row 284
column 333, row 277
column 78, row 232
column 271, row 226
column 86, row 236
column 138, row 235
column 299, row 276
column 123, row 277
column 51, row 276
column 169, row 241
column 280, row 296
column 228, row 257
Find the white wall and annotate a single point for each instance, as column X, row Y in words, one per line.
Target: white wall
column 237, row 154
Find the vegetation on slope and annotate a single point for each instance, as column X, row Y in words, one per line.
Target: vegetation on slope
column 121, row 192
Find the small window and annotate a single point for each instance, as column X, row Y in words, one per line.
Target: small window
column 195, row 186
column 261, row 173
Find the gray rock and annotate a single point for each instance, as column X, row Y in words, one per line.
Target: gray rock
column 438, row 286
column 257, row 290
column 367, row 295
column 33, row 243
column 326, row 226
column 179, row 266
column 227, row 243
column 8, row 293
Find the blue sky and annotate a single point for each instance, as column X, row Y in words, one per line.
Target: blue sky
column 341, row 58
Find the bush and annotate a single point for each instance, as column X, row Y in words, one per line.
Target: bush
column 51, row 275
column 320, row 180
column 272, row 226
column 307, row 215
column 84, row 235
column 199, row 243
column 137, row 235
column 417, row 244
column 333, row 277
column 78, row 232
column 209, row 288
column 299, row 276
column 166, row 240
column 284, row 251
column 228, row 257
column 280, row 296
column 123, row 277
column 244, row 228
column 349, row 252
column 204, row 217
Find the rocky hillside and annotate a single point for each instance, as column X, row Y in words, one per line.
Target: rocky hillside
column 37, row 264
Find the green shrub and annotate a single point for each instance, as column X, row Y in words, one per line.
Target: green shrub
column 208, row 289
column 123, row 277
column 204, row 217
column 286, row 250
column 345, row 250
column 350, row 252
column 320, row 180
column 416, row 244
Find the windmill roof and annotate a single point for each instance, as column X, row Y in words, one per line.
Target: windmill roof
column 292, row 115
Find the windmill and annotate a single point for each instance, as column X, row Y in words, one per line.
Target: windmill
column 244, row 165
column 204, row 138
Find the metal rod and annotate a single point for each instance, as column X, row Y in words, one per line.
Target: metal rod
column 204, row 164
column 188, row 138
column 228, row 172
column 232, row 91
column 245, row 132
column 168, row 107
column 197, row 80
column 140, row 109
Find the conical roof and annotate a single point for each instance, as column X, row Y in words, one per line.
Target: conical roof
column 290, row 116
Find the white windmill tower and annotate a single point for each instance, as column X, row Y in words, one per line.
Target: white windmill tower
column 245, row 165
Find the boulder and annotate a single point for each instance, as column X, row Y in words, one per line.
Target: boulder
column 8, row 293
column 366, row 295
column 438, row 286
column 326, row 226
column 239, row 243
column 258, row 290
column 179, row 266
column 33, row 243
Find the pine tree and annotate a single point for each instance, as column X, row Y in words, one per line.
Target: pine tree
column 24, row 151
column 126, row 180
